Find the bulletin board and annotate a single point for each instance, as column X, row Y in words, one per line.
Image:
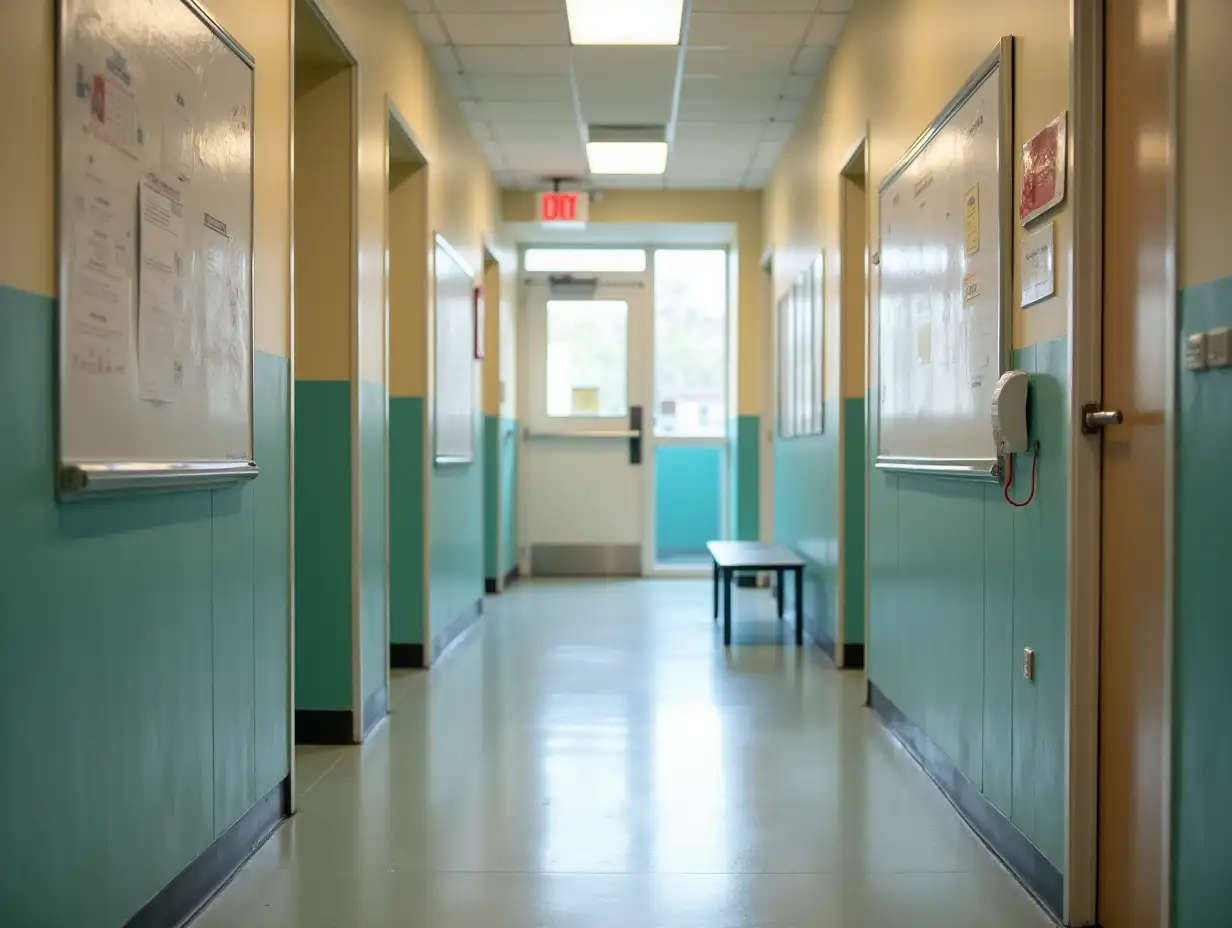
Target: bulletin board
column 454, row 367
column 945, row 263
column 155, row 108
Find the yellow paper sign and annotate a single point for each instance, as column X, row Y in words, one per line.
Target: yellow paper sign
column 585, row 401
column 971, row 224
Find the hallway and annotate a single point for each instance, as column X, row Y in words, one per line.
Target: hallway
column 588, row 756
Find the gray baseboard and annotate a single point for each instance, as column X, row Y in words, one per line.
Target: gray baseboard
column 1035, row 871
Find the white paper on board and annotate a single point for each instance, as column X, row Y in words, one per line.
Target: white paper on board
column 101, row 271
column 161, row 317
column 1038, row 265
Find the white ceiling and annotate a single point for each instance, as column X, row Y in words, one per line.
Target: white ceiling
column 748, row 67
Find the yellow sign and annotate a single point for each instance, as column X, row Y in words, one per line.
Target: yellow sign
column 971, row 203
column 585, row 401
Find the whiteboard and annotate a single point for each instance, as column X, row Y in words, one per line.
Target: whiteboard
column 155, row 109
column 453, row 396
column 944, row 271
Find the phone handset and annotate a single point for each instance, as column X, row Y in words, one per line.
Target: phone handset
column 1009, row 413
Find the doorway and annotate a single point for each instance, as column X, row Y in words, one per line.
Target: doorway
column 1138, row 342
column 852, row 458
column 624, row 458
column 337, row 699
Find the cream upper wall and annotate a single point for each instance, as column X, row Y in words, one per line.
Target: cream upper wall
column 743, row 208
column 897, row 64
column 27, row 152
column 27, row 146
column 324, row 272
column 394, row 71
column 391, row 59
column 1206, row 139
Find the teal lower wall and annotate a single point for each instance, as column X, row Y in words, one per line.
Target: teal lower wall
column 854, row 481
column 143, row 655
column 509, row 495
column 323, row 544
column 1202, row 774
column 491, row 495
column 744, row 481
column 688, row 499
column 456, row 536
column 959, row 584
column 373, row 407
column 806, row 489
column 406, row 519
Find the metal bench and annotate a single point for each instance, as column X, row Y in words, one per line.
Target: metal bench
column 733, row 557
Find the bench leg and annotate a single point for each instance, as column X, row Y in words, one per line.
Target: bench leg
column 716, row 590
column 778, row 590
column 799, row 606
column 727, row 603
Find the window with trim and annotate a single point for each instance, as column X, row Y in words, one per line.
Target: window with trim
column 800, row 324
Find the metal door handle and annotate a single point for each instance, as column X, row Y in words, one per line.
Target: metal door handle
column 1094, row 419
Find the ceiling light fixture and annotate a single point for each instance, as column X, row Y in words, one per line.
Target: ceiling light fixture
column 627, row 157
column 625, row 22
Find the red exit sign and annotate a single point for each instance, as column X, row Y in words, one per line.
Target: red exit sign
column 564, row 208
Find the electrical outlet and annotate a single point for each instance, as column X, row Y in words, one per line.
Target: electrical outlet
column 1195, row 352
column 1028, row 663
column 1219, row 347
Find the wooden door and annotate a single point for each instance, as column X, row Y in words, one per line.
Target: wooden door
column 1138, row 310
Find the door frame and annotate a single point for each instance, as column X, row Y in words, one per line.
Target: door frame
column 856, row 158
column 529, row 283
column 1086, row 170
column 650, row 442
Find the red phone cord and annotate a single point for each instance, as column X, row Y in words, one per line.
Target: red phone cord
column 1009, row 478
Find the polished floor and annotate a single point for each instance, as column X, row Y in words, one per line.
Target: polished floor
column 591, row 757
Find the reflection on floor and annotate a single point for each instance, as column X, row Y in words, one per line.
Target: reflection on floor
column 590, row 757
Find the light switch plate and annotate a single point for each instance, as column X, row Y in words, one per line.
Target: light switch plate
column 1219, row 347
column 1028, row 663
column 1195, row 352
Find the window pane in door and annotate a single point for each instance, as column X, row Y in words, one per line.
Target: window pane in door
column 588, row 358
column 690, row 339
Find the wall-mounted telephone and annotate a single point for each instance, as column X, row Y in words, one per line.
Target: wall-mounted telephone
column 1009, row 412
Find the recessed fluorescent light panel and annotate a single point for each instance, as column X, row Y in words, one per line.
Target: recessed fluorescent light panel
column 625, row 22
column 627, row 157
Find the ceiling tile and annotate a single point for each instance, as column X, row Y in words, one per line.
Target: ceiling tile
column 443, row 57
column 504, row 59
column 620, row 63
column 523, row 88
column 745, row 30
column 504, row 112
column 733, row 90
column 788, row 110
column 498, row 6
column 777, row 131
column 826, row 29
column 653, row 111
column 811, row 60
column 709, row 111
column 799, row 86
column 625, row 182
column 770, row 60
column 546, row 133
column 429, row 29
column 720, row 135
column 690, row 181
column 505, row 28
column 635, row 91
column 460, row 86
column 756, row 6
